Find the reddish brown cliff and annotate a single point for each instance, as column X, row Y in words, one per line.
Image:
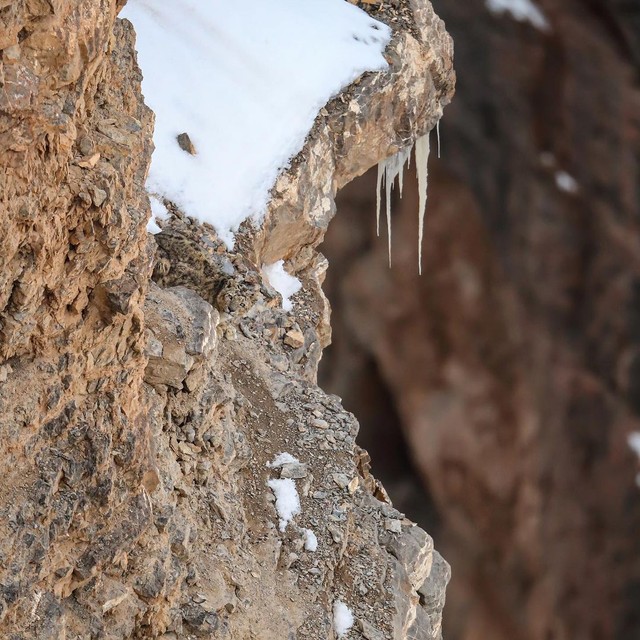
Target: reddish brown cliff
column 513, row 362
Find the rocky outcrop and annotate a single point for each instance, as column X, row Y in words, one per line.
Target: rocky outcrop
column 138, row 416
column 511, row 362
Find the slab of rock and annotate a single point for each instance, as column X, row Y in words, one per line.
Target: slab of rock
column 181, row 329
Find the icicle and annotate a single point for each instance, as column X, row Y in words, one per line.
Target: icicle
column 388, row 170
column 405, row 156
column 381, row 171
column 422, row 161
column 438, row 135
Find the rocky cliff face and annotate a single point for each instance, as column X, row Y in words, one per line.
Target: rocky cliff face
column 145, row 383
column 512, row 363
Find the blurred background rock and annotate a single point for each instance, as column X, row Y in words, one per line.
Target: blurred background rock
column 496, row 392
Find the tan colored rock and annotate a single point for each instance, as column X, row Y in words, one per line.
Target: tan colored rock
column 135, row 435
column 181, row 330
column 294, row 339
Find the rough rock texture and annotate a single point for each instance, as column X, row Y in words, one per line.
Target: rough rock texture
column 513, row 362
column 137, row 416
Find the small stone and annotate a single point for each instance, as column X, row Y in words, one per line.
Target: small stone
column 99, row 196
column 89, row 163
column 319, row 495
column 85, row 198
column 11, row 53
column 184, row 141
column 294, row 470
column 395, row 526
column 114, row 602
column 150, row 480
column 318, row 423
column 154, row 346
column 294, row 339
column 86, row 146
column 369, row 631
column 336, row 534
column 5, row 370
column 353, row 485
column 341, row 479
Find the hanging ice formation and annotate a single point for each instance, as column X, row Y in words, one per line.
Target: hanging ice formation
column 422, row 162
column 391, row 168
column 388, row 170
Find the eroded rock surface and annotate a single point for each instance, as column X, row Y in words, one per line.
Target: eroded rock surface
column 138, row 416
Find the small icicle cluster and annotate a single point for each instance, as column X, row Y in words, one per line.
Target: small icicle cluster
column 388, row 170
column 392, row 168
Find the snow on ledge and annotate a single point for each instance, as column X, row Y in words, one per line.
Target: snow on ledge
column 282, row 459
column 285, row 284
column 310, row 540
column 342, row 618
column 244, row 82
column 287, row 500
column 520, row 10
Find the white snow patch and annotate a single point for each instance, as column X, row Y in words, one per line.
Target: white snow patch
column 245, row 82
column 310, row 540
column 287, row 500
column 342, row 617
column 286, row 285
column 521, row 10
column 281, row 459
column 152, row 226
column 633, row 440
column 566, row 182
column 158, row 212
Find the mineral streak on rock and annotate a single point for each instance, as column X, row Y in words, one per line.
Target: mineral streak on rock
column 137, row 417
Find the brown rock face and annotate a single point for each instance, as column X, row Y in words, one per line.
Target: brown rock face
column 148, row 384
column 74, row 149
column 512, row 363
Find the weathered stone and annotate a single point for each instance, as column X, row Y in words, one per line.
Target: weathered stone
column 185, row 143
column 293, row 470
column 133, row 509
column 182, row 327
column 369, row 631
column 433, row 591
column 294, row 339
column 414, row 549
